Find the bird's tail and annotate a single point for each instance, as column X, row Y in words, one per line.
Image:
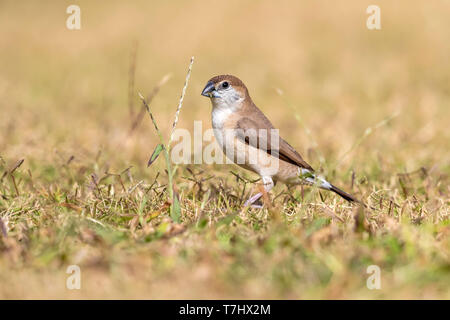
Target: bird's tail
column 344, row 194
column 314, row 179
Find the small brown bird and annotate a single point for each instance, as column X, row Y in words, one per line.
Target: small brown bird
column 250, row 140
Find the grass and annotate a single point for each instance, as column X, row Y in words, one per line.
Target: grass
column 368, row 109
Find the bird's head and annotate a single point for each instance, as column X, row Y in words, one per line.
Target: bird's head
column 226, row 91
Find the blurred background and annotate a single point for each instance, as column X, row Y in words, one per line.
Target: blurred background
column 376, row 102
column 68, row 89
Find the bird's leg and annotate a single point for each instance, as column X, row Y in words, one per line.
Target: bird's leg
column 268, row 185
column 252, row 200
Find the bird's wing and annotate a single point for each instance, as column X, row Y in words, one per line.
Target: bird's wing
column 249, row 131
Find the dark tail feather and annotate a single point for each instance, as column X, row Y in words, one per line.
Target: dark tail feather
column 344, row 194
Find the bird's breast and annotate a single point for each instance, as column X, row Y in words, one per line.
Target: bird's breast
column 219, row 117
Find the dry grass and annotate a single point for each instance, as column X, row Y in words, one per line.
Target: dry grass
column 83, row 194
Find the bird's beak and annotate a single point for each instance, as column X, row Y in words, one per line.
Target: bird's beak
column 209, row 88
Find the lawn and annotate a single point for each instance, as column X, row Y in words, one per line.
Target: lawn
column 368, row 109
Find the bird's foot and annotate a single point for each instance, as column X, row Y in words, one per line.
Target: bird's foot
column 252, row 200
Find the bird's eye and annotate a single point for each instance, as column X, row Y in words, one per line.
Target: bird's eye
column 225, row 85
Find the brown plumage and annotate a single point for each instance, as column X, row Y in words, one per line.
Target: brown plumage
column 234, row 81
column 285, row 151
column 233, row 109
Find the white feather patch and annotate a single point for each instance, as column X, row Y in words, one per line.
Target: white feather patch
column 312, row 178
column 219, row 116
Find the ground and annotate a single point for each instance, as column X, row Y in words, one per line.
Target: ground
column 368, row 109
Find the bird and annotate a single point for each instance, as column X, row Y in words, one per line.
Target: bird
column 248, row 138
